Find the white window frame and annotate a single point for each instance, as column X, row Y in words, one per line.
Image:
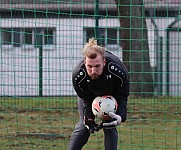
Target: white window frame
column 24, row 46
column 109, row 46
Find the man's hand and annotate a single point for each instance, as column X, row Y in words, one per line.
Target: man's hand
column 90, row 124
column 116, row 121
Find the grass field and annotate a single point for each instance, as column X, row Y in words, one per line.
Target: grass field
column 47, row 123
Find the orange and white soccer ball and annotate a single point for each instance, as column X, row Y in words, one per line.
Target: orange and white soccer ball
column 102, row 105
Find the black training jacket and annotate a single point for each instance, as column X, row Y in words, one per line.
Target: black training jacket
column 113, row 81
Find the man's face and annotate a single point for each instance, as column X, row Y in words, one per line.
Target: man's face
column 94, row 66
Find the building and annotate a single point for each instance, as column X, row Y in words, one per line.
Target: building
column 31, row 67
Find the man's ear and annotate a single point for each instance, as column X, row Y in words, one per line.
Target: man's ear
column 84, row 60
column 104, row 61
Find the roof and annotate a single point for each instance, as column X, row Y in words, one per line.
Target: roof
column 74, row 5
column 83, row 1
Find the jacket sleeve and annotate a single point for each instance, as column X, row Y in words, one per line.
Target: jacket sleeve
column 86, row 98
column 80, row 87
column 121, row 88
column 121, row 94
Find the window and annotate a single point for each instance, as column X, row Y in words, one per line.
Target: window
column 16, row 33
column 89, row 33
column 107, row 36
column 20, row 37
column 27, row 37
column 48, row 37
column 112, row 36
column 6, row 36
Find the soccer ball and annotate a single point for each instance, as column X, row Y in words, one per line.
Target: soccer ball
column 102, row 105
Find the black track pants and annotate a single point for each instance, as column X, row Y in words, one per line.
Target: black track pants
column 81, row 134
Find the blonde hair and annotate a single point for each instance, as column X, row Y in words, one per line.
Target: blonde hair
column 91, row 49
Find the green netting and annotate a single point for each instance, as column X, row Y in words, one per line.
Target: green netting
column 40, row 43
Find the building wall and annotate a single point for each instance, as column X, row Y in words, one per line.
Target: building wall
column 20, row 67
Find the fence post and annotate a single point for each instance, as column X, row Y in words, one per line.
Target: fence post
column 97, row 20
column 39, row 45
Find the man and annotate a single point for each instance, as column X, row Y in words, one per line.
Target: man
column 99, row 73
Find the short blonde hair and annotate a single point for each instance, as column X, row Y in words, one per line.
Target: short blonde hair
column 91, row 49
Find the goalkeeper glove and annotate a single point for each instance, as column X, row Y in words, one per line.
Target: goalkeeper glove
column 90, row 124
column 116, row 121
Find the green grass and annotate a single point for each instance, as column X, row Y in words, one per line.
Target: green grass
column 47, row 123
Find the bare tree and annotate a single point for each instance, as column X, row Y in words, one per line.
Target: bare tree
column 134, row 41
